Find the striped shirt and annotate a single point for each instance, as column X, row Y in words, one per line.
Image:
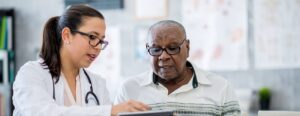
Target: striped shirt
column 213, row 96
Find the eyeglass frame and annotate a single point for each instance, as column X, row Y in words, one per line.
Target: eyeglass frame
column 91, row 36
column 165, row 49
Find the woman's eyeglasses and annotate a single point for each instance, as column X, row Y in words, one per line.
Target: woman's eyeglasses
column 94, row 41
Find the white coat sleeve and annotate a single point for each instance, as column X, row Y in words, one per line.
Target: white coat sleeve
column 121, row 95
column 31, row 98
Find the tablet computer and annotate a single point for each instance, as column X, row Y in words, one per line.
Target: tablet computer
column 149, row 113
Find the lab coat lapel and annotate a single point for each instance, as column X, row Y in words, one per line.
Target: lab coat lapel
column 59, row 90
column 85, row 85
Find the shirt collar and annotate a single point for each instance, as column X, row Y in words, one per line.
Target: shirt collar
column 201, row 76
column 148, row 80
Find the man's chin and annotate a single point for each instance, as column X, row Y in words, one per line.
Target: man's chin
column 167, row 77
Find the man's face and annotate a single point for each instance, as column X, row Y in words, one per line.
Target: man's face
column 170, row 65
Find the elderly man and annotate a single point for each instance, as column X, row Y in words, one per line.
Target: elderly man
column 175, row 83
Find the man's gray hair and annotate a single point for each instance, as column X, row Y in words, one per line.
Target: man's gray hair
column 165, row 23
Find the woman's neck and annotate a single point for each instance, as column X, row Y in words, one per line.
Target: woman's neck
column 67, row 66
column 70, row 71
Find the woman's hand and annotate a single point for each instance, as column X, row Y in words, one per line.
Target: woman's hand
column 129, row 106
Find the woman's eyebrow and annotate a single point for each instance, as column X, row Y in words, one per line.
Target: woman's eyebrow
column 94, row 32
column 97, row 34
column 103, row 37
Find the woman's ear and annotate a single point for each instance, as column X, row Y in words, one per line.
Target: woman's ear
column 66, row 35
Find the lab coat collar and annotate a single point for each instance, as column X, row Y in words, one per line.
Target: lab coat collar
column 84, row 86
column 59, row 88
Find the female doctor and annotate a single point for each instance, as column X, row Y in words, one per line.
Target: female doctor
column 57, row 84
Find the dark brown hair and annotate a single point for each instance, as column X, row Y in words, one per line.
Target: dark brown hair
column 71, row 18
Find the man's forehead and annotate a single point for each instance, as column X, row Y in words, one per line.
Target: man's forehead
column 164, row 28
column 166, row 32
column 165, row 40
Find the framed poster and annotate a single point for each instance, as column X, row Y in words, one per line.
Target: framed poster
column 218, row 33
column 145, row 10
column 276, row 34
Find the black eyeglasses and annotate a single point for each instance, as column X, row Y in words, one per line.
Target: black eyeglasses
column 157, row 51
column 94, row 41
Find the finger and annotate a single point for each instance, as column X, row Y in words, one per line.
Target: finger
column 147, row 107
column 133, row 109
column 140, row 106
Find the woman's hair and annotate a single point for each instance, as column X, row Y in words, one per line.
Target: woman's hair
column 52, row 42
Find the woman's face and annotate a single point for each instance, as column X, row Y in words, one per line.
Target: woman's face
column 79, row 49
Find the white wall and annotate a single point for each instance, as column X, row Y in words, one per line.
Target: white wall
column 31, row 15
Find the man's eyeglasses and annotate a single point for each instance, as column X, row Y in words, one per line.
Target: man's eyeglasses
column 94, row 41
column 157, row 51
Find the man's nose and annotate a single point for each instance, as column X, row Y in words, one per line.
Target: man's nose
column 164, row 55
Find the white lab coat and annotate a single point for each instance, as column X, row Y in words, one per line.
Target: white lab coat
column 33, row 94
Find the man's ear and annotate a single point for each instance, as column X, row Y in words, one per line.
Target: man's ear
column 66, row 35
column 188, row 47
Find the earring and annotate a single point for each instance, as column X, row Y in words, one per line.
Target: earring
column 68, row 42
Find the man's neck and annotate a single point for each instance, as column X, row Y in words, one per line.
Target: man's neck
column 176, row 83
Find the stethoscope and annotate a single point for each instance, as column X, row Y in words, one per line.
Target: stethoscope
column 91, row 92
